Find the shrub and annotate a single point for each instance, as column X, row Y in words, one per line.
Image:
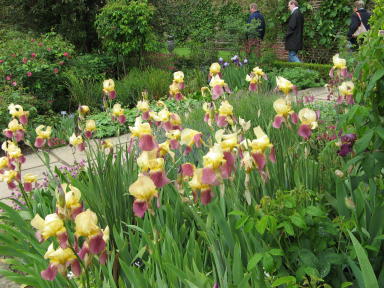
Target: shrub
column 302, row 78
column 322, row 69
column 155, row 81
column 35, row 64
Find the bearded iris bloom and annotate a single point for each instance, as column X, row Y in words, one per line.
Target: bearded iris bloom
column 339, row 64
column 144, row 132
column 17, row 111
column 90, row 127
column 15, row 130
column 218, row 87
column 190, row 137
column 143, row 189
column 308, row 119
column 225, row 115
column 143, row 107
column 285, row 85
column 346, row 90
column 109, row 88
column 51, row 226
column 283, row 110
column 149, row 163
column 77, row 141
column 255, row 77
column 28, row 180
column 43, row 134
column 118, row 113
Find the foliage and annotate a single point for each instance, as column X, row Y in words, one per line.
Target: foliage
column 154, row 81
column 303, row 78
column 35, row 64
column 322, row 69
column 72, row 19
column 124, row 27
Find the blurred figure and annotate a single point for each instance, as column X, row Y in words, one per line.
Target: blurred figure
column 294, row 36
column 254, row 37
column 360, row 16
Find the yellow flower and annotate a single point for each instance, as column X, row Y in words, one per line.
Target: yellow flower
column 247, row 161
column 142, row 106
column 214, row 69
column 140, row 128
column 59, row 256
column 339, row 63
column 83, row 109
column 227, row 142
column 143, row 189
column 216, row 81
column 45, row 134
column 214, row 158
column 165, row 149
column 174, row 88
column 187, row 136
column 162, row 116
column 107, row 144
column 178, row 77
column 12, row 149
column 86, row 224
column 196, row 181
column 283, row 84
column 29, row 178
column 90, row 125
column 72, row 196
column 308, row 117
column 108, row 85
column 262, row 142
column 253, row 78
column 225, row 109
column 175, row 119
column 75, row 140
column 346, row 88
column 244, row 124
column 8, row 176
column 14, row 125
column 117, row 110
column 15, row 110
column 282, row 107
column 4, row 162
column 173, row 134
column 143, row 161
column 258, row 71
column 52, row 225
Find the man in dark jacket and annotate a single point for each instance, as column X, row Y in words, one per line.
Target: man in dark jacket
column 294, row 36
column 358, row 13
column 256, row 29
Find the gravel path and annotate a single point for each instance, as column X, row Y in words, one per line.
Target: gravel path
column 5, row 283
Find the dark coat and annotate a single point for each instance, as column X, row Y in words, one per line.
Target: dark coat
column 294, row 36
column 260, row 29
column 355, row 21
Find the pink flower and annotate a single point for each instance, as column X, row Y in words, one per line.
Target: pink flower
column 61, row 63
column 66, row 54
column 33, row 55
column 49, row 49
column 14, row 83
column 29, row 74
column 56, row 70
column 8, row 78
column 1, row 61
column 33, row 40
column 25, row 60
column 40, row 44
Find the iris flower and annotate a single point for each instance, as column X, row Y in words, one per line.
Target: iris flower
column 283, row 110
column 90, row 127
column 28, row 180
column 118, row 113
column 225, row 115
column 143, row 189
column 77, row 141
column 143, row 107
column 17, row 111
column 346, row 90
column 340, row 64
column 109, row 88
column 190, row 137
column 15, row 129
column 285, row 85
column 308, row 119
column 43, row 134
column 144, row 132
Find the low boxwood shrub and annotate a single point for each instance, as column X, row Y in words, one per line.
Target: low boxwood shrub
column 322, row 69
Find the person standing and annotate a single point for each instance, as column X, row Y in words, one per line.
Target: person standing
column 254, row 37
column 358, row 17
column 294, row 36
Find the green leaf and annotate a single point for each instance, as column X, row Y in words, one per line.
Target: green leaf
column 372, row 83
column 268, row 263
column 237, row 213
column 369, row 276
column 254, row 261
column 261, row 225
column 314, row 211
column 363, row 142
column 380, row 132
column 276, row 252
column 346, row 284
column 288, row 228
column 284, row 280
column 298, row 220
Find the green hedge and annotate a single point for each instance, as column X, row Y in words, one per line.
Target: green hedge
column 323, row 69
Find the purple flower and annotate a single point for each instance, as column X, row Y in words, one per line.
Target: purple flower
column 226, row 64
column 348, row 138
column 221, row 60
column 345, row 149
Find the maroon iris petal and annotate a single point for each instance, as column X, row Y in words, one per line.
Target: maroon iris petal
column 222, row 121
column 97, row 244
column 304, row 131
column 139, row 208
column 217, row 91
column 260, row 160
column 187, row 169
column 75, row 267
column 159, row 179
column 174, row 144
column 50, row 273
column 278, row 121
column 209, row 176
column 252, row 87
column 206, row 196
column 147, row 143
column 63, row 239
